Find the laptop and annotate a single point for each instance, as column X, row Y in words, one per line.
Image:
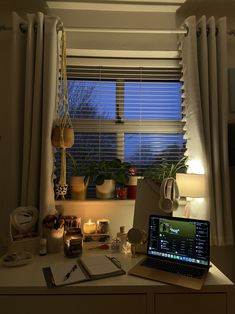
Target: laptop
column 178, row 251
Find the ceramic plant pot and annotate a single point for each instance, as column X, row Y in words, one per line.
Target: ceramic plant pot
column 78, row 187
column 62, row 137
column 106, row 190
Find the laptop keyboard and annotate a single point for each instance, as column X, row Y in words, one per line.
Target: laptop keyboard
column 174, row 268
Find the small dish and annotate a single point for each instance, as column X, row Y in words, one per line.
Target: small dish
column 17, row 258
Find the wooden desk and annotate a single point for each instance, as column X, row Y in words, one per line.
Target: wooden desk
column 23, row 290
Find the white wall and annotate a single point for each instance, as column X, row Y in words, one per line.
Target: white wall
column 119, row 213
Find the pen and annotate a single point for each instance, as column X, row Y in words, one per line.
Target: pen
column 114, row 260
column 70, row 272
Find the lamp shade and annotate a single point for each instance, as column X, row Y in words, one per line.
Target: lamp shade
column 191, row 185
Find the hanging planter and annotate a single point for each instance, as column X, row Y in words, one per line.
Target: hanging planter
column 62, row 133
column 62, row 137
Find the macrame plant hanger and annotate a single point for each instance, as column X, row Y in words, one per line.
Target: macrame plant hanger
column 63, row 133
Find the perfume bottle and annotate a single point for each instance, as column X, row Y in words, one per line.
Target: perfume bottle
column 122, row 234
column 125, row 245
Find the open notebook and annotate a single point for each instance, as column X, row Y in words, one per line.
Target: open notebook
column 85, row 268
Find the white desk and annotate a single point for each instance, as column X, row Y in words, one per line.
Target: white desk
column 23, row 290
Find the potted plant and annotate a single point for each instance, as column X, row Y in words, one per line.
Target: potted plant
column 159, row 171
column 103, row 179
column 156, row 173
column 81, row 171
column 121, row 177
column 132, row 183
column 106, row 174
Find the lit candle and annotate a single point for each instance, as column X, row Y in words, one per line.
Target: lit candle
column 89, row 227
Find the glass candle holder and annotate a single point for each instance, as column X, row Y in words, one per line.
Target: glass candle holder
column 73, row 242
column 103, row 226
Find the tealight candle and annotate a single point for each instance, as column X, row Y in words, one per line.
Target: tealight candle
column 89, row 227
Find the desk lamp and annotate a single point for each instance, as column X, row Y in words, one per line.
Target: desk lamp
column 190, row 186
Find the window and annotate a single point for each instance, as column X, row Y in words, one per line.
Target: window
column 130, row 113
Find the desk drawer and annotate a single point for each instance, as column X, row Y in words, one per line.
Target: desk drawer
column 193, row 303
column 82, row 304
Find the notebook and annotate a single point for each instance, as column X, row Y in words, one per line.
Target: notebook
column 178, row 251
column 90, row 267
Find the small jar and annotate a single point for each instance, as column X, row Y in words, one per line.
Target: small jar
column 43, row 247
column 73, row 242
column 116, row 245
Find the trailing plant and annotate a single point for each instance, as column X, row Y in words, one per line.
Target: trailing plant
column 161, row 170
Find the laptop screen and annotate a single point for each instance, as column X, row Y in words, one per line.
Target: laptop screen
column 179, row 239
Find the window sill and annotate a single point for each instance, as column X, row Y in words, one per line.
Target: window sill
column 95, row 201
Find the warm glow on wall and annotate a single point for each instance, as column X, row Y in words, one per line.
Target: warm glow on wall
column 195, row 166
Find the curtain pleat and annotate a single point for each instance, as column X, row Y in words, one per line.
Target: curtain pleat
column 226, row 234
column 204, row 57
column 47, row 203
column 35, row 55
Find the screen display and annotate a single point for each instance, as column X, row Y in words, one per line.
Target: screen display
column 180, row 239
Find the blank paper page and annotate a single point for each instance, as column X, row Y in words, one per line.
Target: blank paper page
column 99, row 265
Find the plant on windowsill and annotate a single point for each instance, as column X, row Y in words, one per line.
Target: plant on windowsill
column 107, row 173
column 121, row 177
column 103, row 179
column 159, row 171
column 165, row 196
column 82, row 171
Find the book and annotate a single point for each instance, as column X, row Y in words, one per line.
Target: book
column 83, row 269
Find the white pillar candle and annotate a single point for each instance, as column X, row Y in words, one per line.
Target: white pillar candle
column 89, row 227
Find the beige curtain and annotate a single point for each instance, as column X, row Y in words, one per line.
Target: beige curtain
column 204, row 58
column 34, row 77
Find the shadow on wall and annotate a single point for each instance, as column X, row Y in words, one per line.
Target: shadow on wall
column 224, row 256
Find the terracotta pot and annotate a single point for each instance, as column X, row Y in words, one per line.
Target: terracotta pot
column 121, row 192
column 132, row 187
column 62, row 137
column 78, row 188
column 106, row 190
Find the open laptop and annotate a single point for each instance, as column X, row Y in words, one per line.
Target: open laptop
column 178, row 251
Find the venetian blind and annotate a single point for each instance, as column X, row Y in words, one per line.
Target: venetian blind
column 134, row 114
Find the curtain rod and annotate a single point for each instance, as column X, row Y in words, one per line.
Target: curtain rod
column 23, row 28
column 127, row 30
